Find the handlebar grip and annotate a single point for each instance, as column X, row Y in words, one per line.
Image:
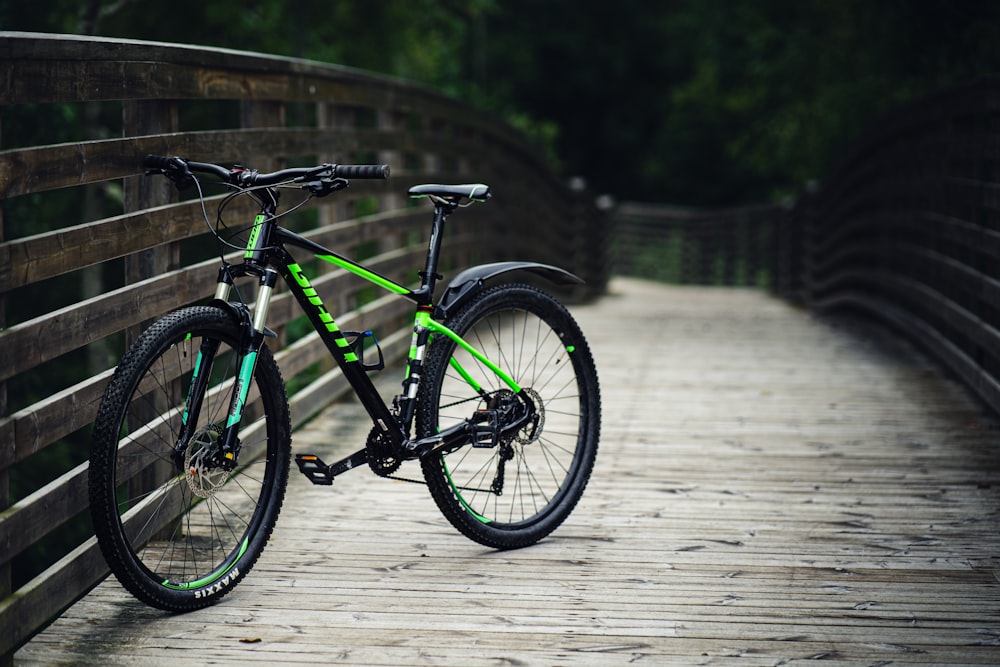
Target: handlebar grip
column 377, row 171
column 179, row 169
column 161, row 162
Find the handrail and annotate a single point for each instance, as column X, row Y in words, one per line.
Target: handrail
column 343, row 116
column 727, row 246
column 907, row 230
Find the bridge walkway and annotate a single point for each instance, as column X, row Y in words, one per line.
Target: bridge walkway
column 772, row 487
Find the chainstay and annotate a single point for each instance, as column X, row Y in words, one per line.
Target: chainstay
column 424, row 482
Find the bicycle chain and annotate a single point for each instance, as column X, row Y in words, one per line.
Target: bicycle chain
column 389, row 475
column 464, row 400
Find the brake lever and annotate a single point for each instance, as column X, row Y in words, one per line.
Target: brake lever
column 182, row 178
column 325, row 186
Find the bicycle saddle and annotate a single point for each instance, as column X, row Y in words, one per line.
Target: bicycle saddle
column 454, row 194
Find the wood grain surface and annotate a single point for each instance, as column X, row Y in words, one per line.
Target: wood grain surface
column 771, row 488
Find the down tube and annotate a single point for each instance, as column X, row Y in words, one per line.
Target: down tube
column 440, row 329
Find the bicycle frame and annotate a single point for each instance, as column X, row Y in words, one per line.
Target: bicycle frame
column 266, row 256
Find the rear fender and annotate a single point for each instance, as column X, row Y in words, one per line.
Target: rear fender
column 467, row 283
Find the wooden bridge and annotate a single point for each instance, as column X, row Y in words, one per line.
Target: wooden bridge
column 773, row 485
column 771, row 488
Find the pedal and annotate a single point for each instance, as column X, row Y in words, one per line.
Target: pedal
column 313, row 467
column 483, row 430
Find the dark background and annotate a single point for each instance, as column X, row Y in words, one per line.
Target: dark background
column 694, row 102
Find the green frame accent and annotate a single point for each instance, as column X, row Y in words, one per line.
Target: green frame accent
column 359, row 270
column 258, row 222
column 424, row 319
column 324, row 315
column 464, row 374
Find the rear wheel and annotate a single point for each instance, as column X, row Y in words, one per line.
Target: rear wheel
column 513, row 492
column 178, row 528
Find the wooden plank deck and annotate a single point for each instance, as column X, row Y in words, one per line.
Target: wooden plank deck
column 771, row 488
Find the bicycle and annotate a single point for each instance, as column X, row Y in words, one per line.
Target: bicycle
column 191, row 446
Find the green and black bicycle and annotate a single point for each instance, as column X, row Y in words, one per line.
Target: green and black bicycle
column 192, row 442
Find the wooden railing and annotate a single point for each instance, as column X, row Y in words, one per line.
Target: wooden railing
column 908, row 230
column 112, row 273
column 730, row 246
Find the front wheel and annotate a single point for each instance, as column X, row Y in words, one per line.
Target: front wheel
column 177, row 525
column 514, row 491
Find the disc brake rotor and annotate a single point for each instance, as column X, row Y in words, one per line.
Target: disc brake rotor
column 204, row 478
column 533, row 430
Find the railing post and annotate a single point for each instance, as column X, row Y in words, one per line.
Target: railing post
column 389, row 121
column 6, row 660
column 258, row 114
column 325, row 120
column 140, row 118
column 329, row 115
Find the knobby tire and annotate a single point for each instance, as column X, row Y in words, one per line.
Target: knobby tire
column 177, row 531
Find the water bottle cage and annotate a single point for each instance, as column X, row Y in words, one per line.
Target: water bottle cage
column 356, row 342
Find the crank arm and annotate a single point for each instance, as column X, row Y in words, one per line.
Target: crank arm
column 447, row 440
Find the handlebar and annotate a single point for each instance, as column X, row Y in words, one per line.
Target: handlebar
column 319, row 179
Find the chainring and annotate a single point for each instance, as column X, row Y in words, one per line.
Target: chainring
column 382, row 457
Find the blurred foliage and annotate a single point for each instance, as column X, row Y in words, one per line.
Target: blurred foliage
column 683, row 101
column 704, row 102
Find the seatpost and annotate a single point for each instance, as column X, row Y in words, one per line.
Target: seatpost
column 429, row 276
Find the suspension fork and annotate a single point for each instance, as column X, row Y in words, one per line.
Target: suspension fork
column 196, row 394
column 249, row 347
column 253, row 339
column 201, row 375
